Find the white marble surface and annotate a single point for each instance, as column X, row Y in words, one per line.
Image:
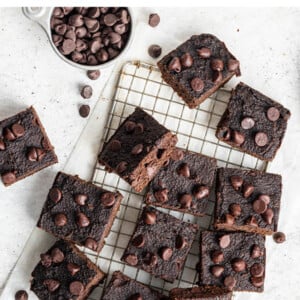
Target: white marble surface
column 267, row 42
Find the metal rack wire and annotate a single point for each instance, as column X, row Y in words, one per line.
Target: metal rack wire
column 140, row 84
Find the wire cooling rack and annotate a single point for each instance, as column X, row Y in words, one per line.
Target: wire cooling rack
column 140, row 84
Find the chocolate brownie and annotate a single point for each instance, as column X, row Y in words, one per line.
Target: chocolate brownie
column 24, row 147
column 122, row 287
column 79, row 211
column 206, row 292
column 198, row 67
column 235, row 260
column 185, row 184
column 64, row 272
column 160, row 244
column 138, row 149
column 253, row 123
column 247, row 200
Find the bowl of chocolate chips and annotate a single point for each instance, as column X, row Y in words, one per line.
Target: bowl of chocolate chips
column 86, row 37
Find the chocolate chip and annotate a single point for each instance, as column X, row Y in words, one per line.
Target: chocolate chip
column 151, row 259
column 257, row 281
column 91, row 244
column 217, row 256
column 57, row 39
column 228, row 219
column 92, row 60
column 60, row 220
column 154, row 20
column 86, row 92
column 273, row 114
column 110, row 20
column 94, row 12
column 224, row 241
column 2, row 145
column 9, row 178
column 82, row 220
column 108, row 199
column 161, row 195
column 129, row 126
column 76, row 288
column 95, row 46
column 81, row 46
column 138, row 241
column 184, row 170
column 186, row 200
column 21, row 295
column 84, row 110
column 120, row 28
column 51, row 284
column 150, row 217
column 80, row 199
column 197, row 84
column 137, row 296
column 251, row 221
column 139, row 128
column 238, row 265
column 265, row 198
column 18, row 130
column 200, row 192
column 57, row 255
column 76, row 20
column 81, row 32
column 154, row 51
column 73, row 268
column 238, row 138
column 186, row 60
column 248, row 189
column 35, row 154
column 230, row 282
column 93, row 74
column 177, row 154
column 257, row 270
column 268, row 216
column 279, row 237
column 256, row 252
column 55, row 195
column 235, row 209
column 60, row 29
column 121, row 167
column 115, row 145
column 77, row 56
column 131, row 259
column 261, row 139
column 236, row 182
column 57, row 12
column 224, row 133
column 166, row 253
column 46, row 260
column 247, row 123
column 174, row 65
column 217, row 77
column 233, row 65
column 217, row 64
column 137, row 149
column 217, row 271
column 180, row 242
column 204, row 52
column 68, row 46
column 259, row 206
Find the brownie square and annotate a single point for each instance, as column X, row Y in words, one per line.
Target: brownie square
column 253, row 123
column 185, row 184
column 247, row 200
column 160, row 244
column 122, row 287
column 64, row 272
column 138, row 149
column 235, row 260
column 24, row 147
column 206, row 292
column 79, row 211
column 198, row 67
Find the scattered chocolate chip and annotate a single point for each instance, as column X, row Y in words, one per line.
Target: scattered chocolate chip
column 51, row 284
column 129, row 126
column 257, row 281
column 93, row 74
column 186, row 200
column 204, row 52
column 57, row 255
column 9, row 177
column 248, row 189
column 154, row 51
column 224, row 241
column 235, row 209
column 273, row 114
column 86, row 92
column 150, row 217
column 261, row 139
column 76, row 288
column 217, row 77
column 60, row 220
column 94, row 12
column 217, row 271
column 76, row 20
column 131, row 259
column 151, row 259
column 21, row 295
column 257, row 270
column 55, row 195
column 73, row 268
column 110, row 20
column 268, row 216
column 279, row 237
column 120, row 28
column 114, row 37
column 238, row 138
column 238, row 265
column 161, row 195
column 259, row 206
column 177, row 154
column 84, row 110
column 35, row 154
column 180, row 242
column 108, row 199
column 233, row 65
column 115, row 145
column 217, row 256
column 228, row 219
column 186, row 60
column 230, row 282
column 91, row 244
column 18, row 130
column 256, row 251
column 251, row 221
column 80, row 199
column 139, row 128
column 236, row 182
column 166, row 253
column 197, row 84
column 121, row 167
column 217, row 64
column 154, row 20
column 137, row 149
column 8, row 134
column 2, row 145
column 200, row 192
column 46, row 260
column 82, row 220
column 175, row 65
column 60, row 29
column 137, row 296
column 138, row 241
column 224, row 133
column 184, row 170
column 247, row 123
column 265, row 198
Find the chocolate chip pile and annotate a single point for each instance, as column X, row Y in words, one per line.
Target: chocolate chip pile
column 90, row 35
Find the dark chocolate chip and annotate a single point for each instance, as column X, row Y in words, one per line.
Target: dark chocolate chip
column 175, row 65
column 273, row 114
column 35, row 154
column 217, row 77
column 81, row 45
column 76, row 288
column 236, row 182
column 256, row 251
column 186, row 60
column 92, row 60
column 238, row 138
column 93, row 74
column 166, row 253
column 80, row 199
column 18, row 130
column 233, row 65
column 55, row 195
column 217, row 271
column 70, row 34
column 217, row 256
column 55, row 21
column 257, row 270
column 131, row 259
column 82, row 220
column 73, row 268
column 279, row 237
column 224, row 241
column 259, row 206
column 129, row 126
column 81, row 32
column 91, row 244
column 114, row 37
column 186, row 200
column 110, row 20
column 95, row 46
column 84, row 110
column 9, row 178
column 57, row 255
column 154, row 20
column 217, row 64
column 238, row 265
column 125, row 18
column 57, row 39
column 120, row 28
column 197, row 84
column 68, row 46
column 51, row 284
column 154, row 51
column 2, row 145
column 76, row 20
column 180, row 242
column 76, row 56
column 60, row 29
column 261, row 139
column 204, row 52
column 151, row 259
column 268, row 216
column 161, row 195
column 230, row 282
column 247, row 123
column 86, row 92
column 21, row 295
column 229, row 219
column 108, row 199
column 115, row 145
column 137, row 149
column 177, row 154
column 248, row 189
column 139, row 128
column 67, row 10
column 94, row 12
column 265, row 198
column 46, row 260
column 60, row 220
column 235, row 209
column 121, row 167
column 57, row 12
column 150, row 217
column 251, row 221
column 184, row 170
column 138, row 241
column 257, row 281
column 200, row 192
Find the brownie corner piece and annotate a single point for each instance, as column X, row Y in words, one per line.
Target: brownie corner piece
column 64, row 272
column 155, row 248
column 235, row 260
column 79, row 211
column 123, row 287
column 198, row 67
column 253, row 123
column 184, row 184
column 24, row 147
column 247, row 200
column 138, row 149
